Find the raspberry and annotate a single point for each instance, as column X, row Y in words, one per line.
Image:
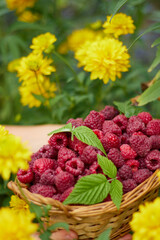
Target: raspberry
column 135, row 124
column 44, row 190
column 56, row 196
column 127, row 152
column 25, row 176
column 115, row 156
column 155, row 141
column 46, row 151
column 141, row 175
column 109, row 112
column 58, row 170
column 47, row 178
column 42, row 164
column 153, row 127
column 36, row 178
column 66, row 194
column 63, row 181
column 124, row 138
column 74, row 166
column 141, row 144
column 145, row 116
column 58, row 140
column 109, row 141
column 128, row 185
column 134, row 164
column 76, row 122
column 95, row 168
column 138, row 133
column 99, row 133
column 64, row 155
column 121, row 121
column 89, row 155
column 142, row 163
column 125, row 172
column 152, row 160
column 111, row 127
column 77, row 145
column 94, row 120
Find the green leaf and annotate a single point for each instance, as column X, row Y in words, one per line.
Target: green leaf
column 89, row 190
column 3, row 12
column 116, row 192
column 87, row 136
column 119, row 4
column 127, row 109
column 104, row 235
column 36, row 209
column 156, row 42
column 153, row 27
column 59, row 225
column 107, row 166
column 156, row 61
column 66, row 128
column 45, row 235
column 150, row 94
column 46, row 209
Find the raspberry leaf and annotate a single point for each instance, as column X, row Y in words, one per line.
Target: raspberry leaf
column 116, row 192
column 66, row 128
column 127, row 109
column 107, row 166
column 105, row 235
column 89, row 190
column 59, row 225
column 86, row 135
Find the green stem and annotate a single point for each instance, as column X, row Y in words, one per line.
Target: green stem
column 58, row 82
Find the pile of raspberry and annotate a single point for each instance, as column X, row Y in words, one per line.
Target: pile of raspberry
column 132, row 144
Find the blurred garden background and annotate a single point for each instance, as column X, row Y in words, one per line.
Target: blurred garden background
column 70, row 92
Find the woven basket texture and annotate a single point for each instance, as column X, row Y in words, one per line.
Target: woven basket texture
column 90, row 221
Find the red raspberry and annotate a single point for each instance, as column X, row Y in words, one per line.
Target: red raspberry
column 99, row 133
column 64, row 155
column 95, row 168
column 111, row 127
column 134, row 164
column 42, row 164
column 94, row 120
column 152, row 160
column 76, row 122
column 44, row 190
column 141, row 144
column 115, row 156
column 89, row 155
column 58, row 170
column 128, row 185
column 121, row 121
column 66, row 194
column 34, row 188
column 77, row 145
column 58, row 140
column 109, row 112
column 145, row 116
column 127, row 152
column 153, row 127
column 47, row 177
column 56, row 196
column 25, row 176
column 74, row 166
column 155, row 141
column 125, row 172
column 36, row 178
column 109, row 141
column 135, row 124
column 141, row 175
column 46, row 151
column 138, row 133
column 124, row 139
column 63, row 181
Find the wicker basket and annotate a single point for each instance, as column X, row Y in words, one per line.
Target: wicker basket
column 90, row 221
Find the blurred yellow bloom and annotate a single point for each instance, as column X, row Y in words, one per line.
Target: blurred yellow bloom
column 45, row 89
column 19, row 205
column 28, row 16
column 120, row 24
column 146, row 222
column 43, row 42
column 34, row 67
column 16, row 226
column 96, row 25
column 105, row 58
column 20, row 5
column 14, row 65
column 3, row 131
column 13, row 155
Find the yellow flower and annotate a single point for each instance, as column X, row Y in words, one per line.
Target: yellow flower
column 146, row 222
column 105, row 58
column 28, row 16
column 3, row 131
column 45, row 89
column 16, row 226
column 96, row 25
column 13, row 155
column 120, row 24
column 20, row 5
column 14, row 65
column 34, row 67
column 43, row 42
column 19, row 205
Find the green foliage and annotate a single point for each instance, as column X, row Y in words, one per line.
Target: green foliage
column 127, row 109
column 104, row 235
column 107, row 166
